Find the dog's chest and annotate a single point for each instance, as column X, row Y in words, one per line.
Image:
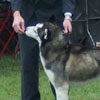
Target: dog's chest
column 49, row 73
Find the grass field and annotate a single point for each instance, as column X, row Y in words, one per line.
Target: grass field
column 10, row 83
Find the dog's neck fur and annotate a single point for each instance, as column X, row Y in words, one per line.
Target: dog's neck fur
column 58, row 43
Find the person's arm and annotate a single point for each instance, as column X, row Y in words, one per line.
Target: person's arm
column 18, row 21
column 68, row 8
column 16, row 5
column 69, row 5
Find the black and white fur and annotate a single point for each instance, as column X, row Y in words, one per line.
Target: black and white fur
column 65, row 65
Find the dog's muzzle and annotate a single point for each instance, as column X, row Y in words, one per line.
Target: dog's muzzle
column 32, row 31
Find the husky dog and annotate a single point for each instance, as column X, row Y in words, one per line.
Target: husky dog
column 65, row 65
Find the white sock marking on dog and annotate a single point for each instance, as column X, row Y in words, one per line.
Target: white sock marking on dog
column 62, row 92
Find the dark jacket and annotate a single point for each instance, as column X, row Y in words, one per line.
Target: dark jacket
column 43, row 9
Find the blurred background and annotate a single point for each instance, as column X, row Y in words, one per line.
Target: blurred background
column 86, row 19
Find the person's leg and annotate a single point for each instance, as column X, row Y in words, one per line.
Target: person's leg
column 29, row 58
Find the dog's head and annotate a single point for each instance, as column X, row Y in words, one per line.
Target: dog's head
column 45, row 33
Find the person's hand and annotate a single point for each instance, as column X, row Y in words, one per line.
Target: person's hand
column 18, row 23
column 67, row 26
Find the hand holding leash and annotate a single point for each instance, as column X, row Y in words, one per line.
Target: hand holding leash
column 18, row 23
column 67, row 25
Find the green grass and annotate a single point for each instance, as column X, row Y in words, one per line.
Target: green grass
column 10, row 83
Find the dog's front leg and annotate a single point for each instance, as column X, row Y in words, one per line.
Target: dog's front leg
column 62, row 93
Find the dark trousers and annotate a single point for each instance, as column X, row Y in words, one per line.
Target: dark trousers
column 30, row 74
column 29, row 57
column 29, row 51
